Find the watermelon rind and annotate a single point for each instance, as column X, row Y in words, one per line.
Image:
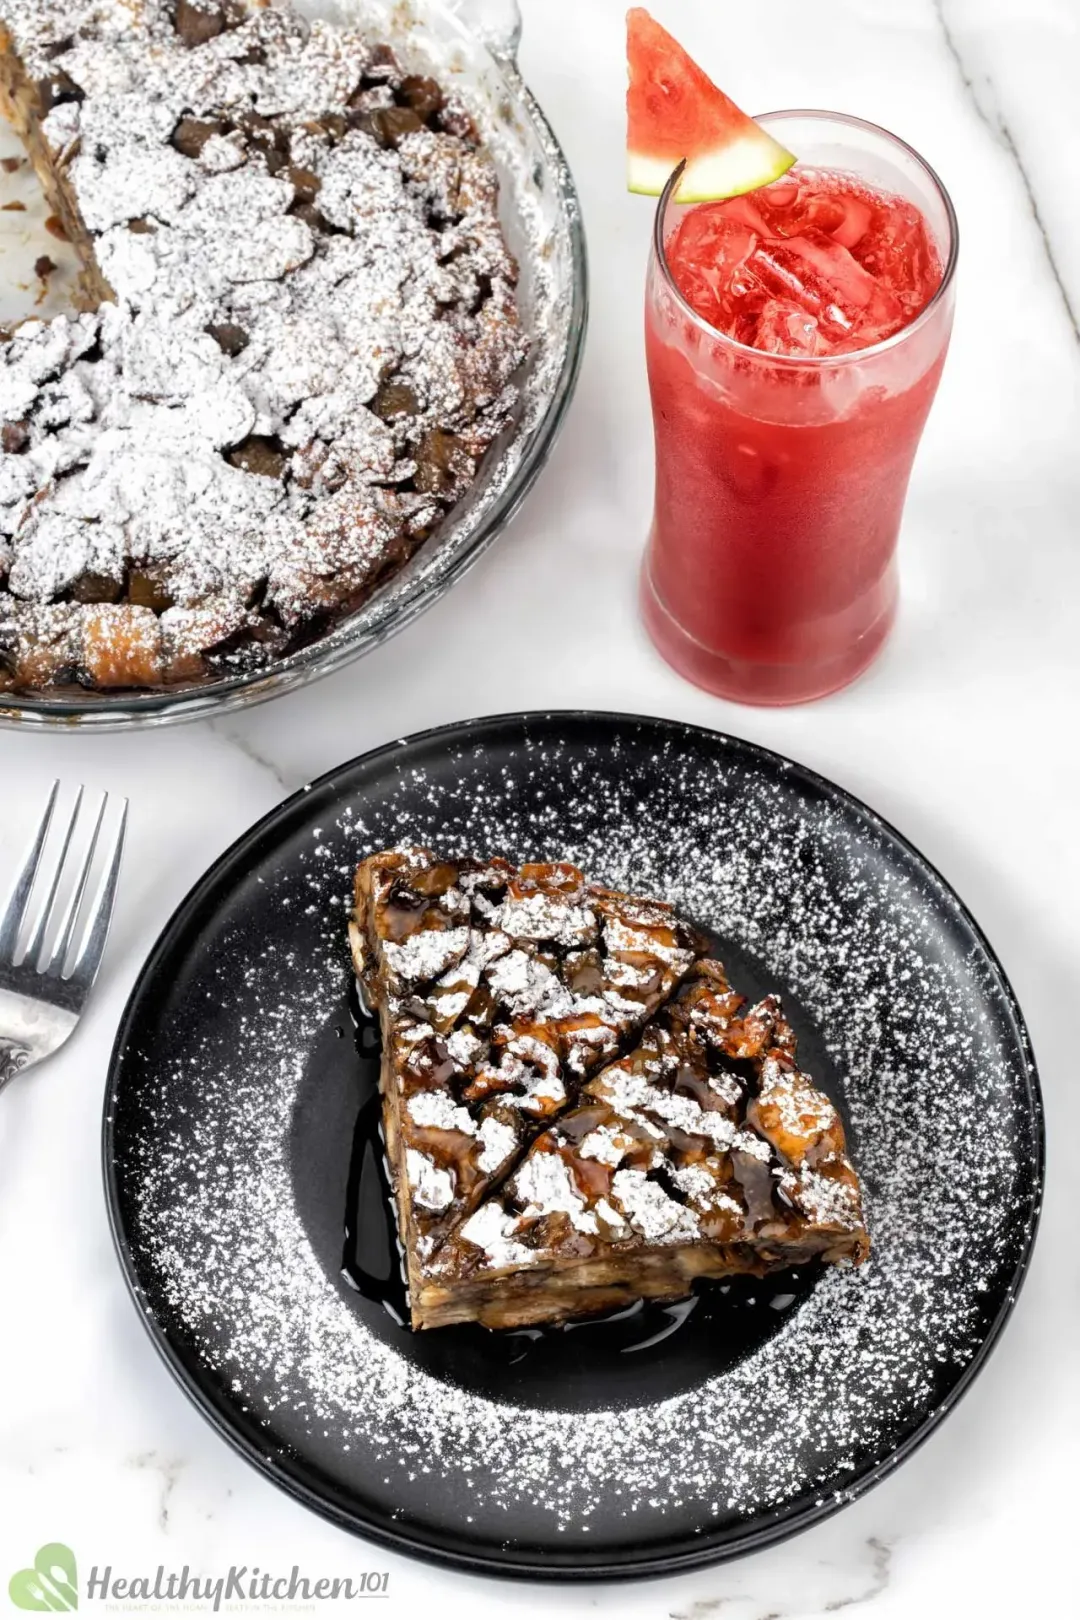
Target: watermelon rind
column 730, row 170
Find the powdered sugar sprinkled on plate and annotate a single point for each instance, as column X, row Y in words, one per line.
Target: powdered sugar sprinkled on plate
column 938, row 1088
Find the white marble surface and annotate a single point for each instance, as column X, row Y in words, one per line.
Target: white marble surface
column 964, row 735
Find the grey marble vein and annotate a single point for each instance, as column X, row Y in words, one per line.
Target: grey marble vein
column 880, row 1568
column 985, row 101
column 712, row 1608
column 170, row 1470
column 245, row 746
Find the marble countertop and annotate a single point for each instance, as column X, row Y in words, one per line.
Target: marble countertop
column 963, row 735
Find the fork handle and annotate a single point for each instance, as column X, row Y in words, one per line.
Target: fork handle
column 13, row 1057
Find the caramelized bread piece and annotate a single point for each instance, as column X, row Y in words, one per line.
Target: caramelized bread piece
column 500, row 989
column 704, row 1153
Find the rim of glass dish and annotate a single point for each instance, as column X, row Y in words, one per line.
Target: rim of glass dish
column 850, row 355
column 99, row 712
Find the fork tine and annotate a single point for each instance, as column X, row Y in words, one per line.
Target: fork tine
column 84, row 968
column 71, row 916
column 20, row 893
column 37, row 933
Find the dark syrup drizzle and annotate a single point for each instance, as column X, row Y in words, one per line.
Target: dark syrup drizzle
column 641, row 1352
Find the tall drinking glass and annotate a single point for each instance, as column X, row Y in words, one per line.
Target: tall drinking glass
column 770, row 574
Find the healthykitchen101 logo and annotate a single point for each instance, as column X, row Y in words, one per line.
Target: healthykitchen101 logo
column 51, row 1585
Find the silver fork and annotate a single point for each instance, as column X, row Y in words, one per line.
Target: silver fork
column 41, row 1001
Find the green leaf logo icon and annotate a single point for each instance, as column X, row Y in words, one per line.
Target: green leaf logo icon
column 52, row 1586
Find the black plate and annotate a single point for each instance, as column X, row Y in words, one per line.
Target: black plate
column 661, row 1440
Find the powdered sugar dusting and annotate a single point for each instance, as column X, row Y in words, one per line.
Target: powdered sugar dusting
column 937, row 1092
column 432, row 1187
column 544, row 1183
column 657, row 1217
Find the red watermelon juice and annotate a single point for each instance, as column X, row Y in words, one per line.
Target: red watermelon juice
column 795, row 337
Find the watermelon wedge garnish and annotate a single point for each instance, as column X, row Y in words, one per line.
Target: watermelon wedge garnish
column 675, row 112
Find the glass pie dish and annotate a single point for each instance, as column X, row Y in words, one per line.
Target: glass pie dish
column 470, row 47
